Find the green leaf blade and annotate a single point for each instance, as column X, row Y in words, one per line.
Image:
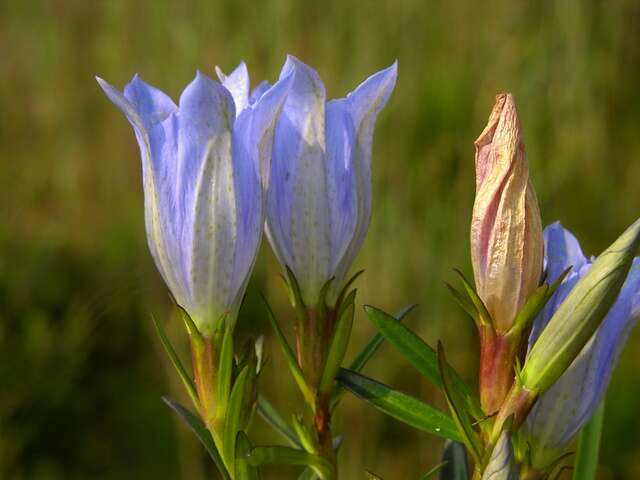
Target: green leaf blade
column 270, row 415
column 400, row 406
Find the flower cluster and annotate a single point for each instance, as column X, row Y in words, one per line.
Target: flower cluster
column 228, row 162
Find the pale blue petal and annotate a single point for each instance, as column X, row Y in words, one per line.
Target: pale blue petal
column 237, row 82
column 152, row 114
column 298, row 217
column 363, row 104
column 259, row 91
column 342, row 185
column 253, row 140
column 206, row 197
column 562, row 251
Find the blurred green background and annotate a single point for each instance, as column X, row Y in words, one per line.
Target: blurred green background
column 81, row 370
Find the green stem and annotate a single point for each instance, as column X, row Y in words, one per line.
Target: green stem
column 589, row 447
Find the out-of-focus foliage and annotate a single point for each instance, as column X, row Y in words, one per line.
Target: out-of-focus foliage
column 81, row 371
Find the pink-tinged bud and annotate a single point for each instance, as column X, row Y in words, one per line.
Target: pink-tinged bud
column 506, row 229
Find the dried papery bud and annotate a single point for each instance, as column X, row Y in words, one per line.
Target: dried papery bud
column 506, row 230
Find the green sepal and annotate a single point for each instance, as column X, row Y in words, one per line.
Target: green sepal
column 225, row 369
column 232, row 424
column 457, row 407
column 454, row 464
column 347, row 285
column 420, row 355
column 198, row 428
column 339, row 343
column 483, row 314
column 400, row 406
column 366, row 353
column 243, row 470
column 580, row 314
column 535, row 303
column 296, row 371
column 278, row 455
column 295, row 294
column 189, row 324
column 464, row 303
column 322, row 298
column 177, row 364
column 270, row 415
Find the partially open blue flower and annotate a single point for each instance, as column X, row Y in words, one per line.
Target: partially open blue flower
column 561, row 411
column 320, row 192
column 205, row 195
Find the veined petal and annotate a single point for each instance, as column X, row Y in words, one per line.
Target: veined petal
column 152, row 115
column 206, row 196
column 252, row 150
column 237, row 82
column 363, row 106
column 298, row 219
column 343, row 188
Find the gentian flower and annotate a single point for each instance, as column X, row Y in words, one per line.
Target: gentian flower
column 204, row 193
column 319, row 203
column 506, row 229
column 560, row 412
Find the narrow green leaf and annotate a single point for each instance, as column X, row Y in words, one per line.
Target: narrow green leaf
column 243, row 470
column 586, row 465
column 233, row 416
column 277, row 455
column 296, row 371
column 400, row 406
column 454, row 464
column 177, row 364
column 372, row 346
column 308, row 474
column 225, row 367
column 199, row 429
column 483, row 313
column 431, row 473
column 304, row 434
column 372, row 476
column 339, row 343
column 270, row 415
column 457, row 408
column 365, row 355
column 420, row 355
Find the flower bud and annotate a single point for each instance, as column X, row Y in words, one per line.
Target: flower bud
column 506, row 230
column 580, row 314
column 320, row 191
column 204, row 194
column 560, row 412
